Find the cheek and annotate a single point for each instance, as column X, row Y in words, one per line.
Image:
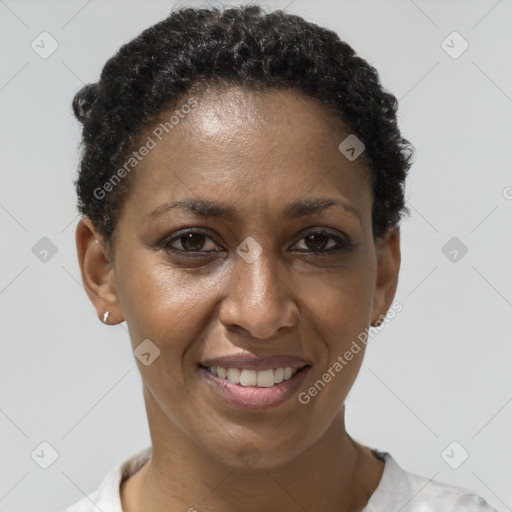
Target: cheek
column 170, row 305
column 343, row 299
column 175, row 307
column 328, row 392
column 164, row 304
column 170, row 308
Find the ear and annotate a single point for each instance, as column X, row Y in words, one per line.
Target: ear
column 97, row 272
column 388, row 265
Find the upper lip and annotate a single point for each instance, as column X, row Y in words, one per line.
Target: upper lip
column 251, row 362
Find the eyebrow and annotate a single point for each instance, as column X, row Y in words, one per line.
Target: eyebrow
column 204, row 208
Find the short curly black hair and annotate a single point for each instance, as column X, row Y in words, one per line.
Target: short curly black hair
column 235, row 46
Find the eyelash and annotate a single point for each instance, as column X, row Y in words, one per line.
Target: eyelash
column 342, row 244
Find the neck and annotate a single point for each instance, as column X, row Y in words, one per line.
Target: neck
column 334, row 473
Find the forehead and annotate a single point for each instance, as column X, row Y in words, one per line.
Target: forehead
column 253, row 147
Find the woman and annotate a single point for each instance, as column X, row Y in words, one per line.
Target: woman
column 241, row 186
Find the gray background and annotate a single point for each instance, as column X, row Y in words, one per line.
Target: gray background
column 438, row 373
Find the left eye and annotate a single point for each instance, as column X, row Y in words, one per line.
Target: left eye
column 318, row 242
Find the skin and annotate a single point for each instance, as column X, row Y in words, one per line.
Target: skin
column 255, row 151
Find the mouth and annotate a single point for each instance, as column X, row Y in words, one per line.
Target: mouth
column 254, row 389
column 260, row 378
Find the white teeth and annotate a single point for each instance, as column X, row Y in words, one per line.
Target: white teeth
column 261, row 379
column 234, row 375
column 248, row 378
column 265, row 379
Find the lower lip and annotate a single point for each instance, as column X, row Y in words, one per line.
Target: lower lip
column 252, row 397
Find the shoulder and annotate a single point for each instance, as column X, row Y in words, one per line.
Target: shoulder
column 408, row 492
column 100, row 499
column 429, row 495
column 107, row 496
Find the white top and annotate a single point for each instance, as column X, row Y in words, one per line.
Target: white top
column 397, row 490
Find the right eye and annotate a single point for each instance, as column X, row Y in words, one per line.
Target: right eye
column 191, row 242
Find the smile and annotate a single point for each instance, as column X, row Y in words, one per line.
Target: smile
column 262, row 379
column 252, row 389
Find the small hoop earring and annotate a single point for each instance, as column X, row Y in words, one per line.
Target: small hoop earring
column 105, row 316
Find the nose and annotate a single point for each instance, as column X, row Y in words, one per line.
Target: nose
column 259, row 298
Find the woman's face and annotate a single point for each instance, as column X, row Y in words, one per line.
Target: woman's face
column 248, row 284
